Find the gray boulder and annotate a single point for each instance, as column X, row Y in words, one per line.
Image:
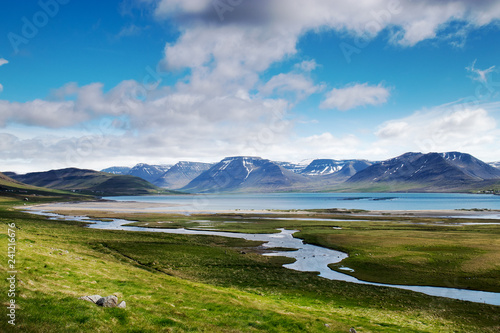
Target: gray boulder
column 92, row 298
column 108, row 302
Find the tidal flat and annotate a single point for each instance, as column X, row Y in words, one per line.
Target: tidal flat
column 207, row 283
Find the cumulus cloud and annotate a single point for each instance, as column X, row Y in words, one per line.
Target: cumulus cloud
column 227, row 56
column 297, row 84
column 307, row 65
column 125, row 122
column 354, row 96
column 228, row 45
column 442, row 129
column 410, row 21
column 213, row 111
column 228, row 48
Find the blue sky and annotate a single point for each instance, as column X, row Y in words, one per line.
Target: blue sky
column 94, row 84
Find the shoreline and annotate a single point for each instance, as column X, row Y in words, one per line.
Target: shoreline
column 165, row 208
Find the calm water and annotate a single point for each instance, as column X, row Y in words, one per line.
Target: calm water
column 367, row 201
column 309, row 258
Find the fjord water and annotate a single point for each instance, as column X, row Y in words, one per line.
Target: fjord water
column 309, row 258
column 285, row 201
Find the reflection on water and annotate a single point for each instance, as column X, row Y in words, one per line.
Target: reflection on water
column 309, row 258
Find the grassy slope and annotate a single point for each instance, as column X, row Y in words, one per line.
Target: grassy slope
column 14, row 189
column 93, row 183
column 200, row 283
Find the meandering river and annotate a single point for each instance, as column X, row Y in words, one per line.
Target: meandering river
column 309, row 258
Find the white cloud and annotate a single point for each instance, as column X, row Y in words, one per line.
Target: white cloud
column 226, row 56
column 165, row 8
column 443, row 129
column 213, row 111
column 307, row 65
column 175, row 125
column 411, row 21
column 354, row 96
column 2, row 62
column 298, row 84
column 228, row 53
column 393, row 129
column 480, row 75
column 131, row 30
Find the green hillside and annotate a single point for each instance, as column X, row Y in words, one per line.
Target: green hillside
column 91, row 182
column 15, row 189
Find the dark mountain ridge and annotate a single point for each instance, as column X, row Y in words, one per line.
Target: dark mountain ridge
column 245, row 174
column 443, row 170
column 89, row 182
column 415, row 172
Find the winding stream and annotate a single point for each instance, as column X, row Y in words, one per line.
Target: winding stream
column 309, row 258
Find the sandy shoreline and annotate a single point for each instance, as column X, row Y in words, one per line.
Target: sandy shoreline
column 146, row 207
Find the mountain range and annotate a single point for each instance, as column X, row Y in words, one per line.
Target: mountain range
column 432, row 172
column 427, row 172
column 142, row 170
column 163, row 175
column 244, row 173
column 181, row 174
column 416, row 172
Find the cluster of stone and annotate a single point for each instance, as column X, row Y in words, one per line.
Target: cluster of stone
column 107, row 302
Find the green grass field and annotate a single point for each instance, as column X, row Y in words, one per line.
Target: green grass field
column 177, row 283
column 415, row 251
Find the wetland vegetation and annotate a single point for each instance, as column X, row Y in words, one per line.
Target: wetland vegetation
column 183, row 283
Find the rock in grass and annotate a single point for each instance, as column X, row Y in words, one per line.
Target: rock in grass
column 108, row 302
column 92, row 298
